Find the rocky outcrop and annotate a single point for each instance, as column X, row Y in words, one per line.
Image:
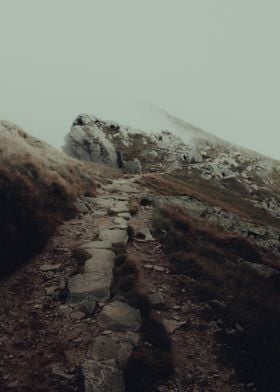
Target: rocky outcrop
column 135, row 151
column 95, row 140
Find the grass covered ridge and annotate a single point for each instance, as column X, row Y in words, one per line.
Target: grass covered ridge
column 38, row 187
column 212, row 259
column 232, row 197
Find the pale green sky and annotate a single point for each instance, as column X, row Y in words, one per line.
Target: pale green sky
column 215, row 63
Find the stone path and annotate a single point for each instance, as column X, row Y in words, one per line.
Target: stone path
column 82, row 335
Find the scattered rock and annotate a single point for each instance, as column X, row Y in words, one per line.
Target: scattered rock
column 58, row 370
column 81, row 206
column 77, row 315
column 125, row 215
column 158, row 268
column 51, row 290
column 145, row 234
column 102, row 377
column 172, row 325
column 261, row 269
column 50, row 267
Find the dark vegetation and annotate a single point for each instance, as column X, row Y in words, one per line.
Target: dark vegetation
column 230, row 195
column 211, row 262
column 33, row 202
column 151, row 361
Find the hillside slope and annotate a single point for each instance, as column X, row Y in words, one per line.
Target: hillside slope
column 39, row 187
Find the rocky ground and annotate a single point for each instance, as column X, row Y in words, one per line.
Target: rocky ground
column 62, row 329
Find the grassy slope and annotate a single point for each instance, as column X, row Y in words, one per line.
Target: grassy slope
column 209, row 258
column 232, row 197
column 38, row 187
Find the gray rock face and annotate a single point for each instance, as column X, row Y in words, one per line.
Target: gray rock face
column 101, row 377
column 119, row 316
column 117, row 346
column 90, row 143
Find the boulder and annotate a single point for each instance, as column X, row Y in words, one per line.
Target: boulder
column 90, row 143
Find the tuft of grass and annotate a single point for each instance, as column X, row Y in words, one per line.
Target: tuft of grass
column 213, row 259
column 151, row 361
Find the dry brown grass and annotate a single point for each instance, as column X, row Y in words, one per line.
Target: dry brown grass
column 231, row 198
column 211, row 258
column 151, row 361
column 38, row 187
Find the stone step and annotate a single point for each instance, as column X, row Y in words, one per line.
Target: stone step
column 116, row 236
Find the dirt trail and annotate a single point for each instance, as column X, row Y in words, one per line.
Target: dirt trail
column 43, row 340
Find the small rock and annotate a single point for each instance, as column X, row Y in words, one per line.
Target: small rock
column 81, row 207
column 50, row 290
column 172, row 325
column 58, row 371
column 99, row 377
column 125, row 215
column 239, row 328
column 157, row 301
column 145, row 234
column 158, row 268
column 50, row 267
column 77, row 315
column 148, row 266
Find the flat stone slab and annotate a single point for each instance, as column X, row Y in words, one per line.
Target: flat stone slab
column 119, row 316
column 101, row 262
column 50, row 267
column 103, row 203
column 119, row 207
column 97, row 245
column 89, row 287
column 115, row 236
column 101, row 377
column 117, row 346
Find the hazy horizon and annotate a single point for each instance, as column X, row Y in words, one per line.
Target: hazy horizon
column 214, row 64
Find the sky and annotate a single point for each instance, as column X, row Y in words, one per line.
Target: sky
column 213, row 63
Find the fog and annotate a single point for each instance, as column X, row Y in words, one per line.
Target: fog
column 214, row 63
